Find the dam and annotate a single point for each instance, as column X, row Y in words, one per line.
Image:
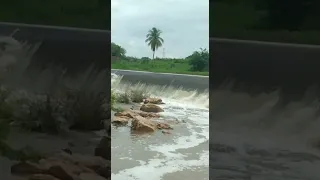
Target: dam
column 264, row 110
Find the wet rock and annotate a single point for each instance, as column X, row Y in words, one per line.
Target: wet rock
column 61, row 172
column 25, row 168
column 153, row 101
column 166, row 132
column 142, row 124
column 120, row 120
column 92, row 162
column 65, row 166
column 42, row 177
column 104, row 148
column 151, row 108
column 128, row 113
column 90, row 176
column 163, row 126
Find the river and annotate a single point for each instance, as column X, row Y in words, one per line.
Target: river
column 184, row 154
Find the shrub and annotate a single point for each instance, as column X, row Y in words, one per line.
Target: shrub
column 138, row 95
column 123, row 97
column 199, row 60
column 40, row 115
column 88, row 109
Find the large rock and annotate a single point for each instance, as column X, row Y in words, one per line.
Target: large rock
column 62, row 172
column 104, row 148
column 142, row 124
column 153, row 101
column 25, row 168
column 128, row 113
column 120, row 120
column 151, row 108
column 64, row 166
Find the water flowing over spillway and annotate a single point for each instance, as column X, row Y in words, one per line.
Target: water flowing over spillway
column 183, row 154
column 252, row 140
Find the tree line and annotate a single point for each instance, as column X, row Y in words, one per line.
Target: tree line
column 198, row 60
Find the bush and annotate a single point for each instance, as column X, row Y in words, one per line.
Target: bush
column 199, row 60
column 87, row 110
column 123, row 97
column 138, row 95
column 40, row 115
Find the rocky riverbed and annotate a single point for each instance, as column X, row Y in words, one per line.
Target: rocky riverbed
column 166, row 138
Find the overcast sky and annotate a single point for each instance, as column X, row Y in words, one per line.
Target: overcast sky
column 184, row 23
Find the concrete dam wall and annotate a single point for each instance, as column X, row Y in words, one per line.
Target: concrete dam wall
column 262, row 67
column 73, row 48
column 188, row 82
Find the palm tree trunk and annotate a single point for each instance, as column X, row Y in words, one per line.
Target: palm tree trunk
column 153, row 55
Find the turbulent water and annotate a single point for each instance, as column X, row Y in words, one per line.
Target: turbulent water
column 184, row 154
column 253, row 141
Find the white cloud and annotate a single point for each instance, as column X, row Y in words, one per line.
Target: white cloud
column 184, row 23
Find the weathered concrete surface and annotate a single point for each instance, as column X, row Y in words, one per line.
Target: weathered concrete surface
column 188, row 82
column 262, row 67
column 74, row 48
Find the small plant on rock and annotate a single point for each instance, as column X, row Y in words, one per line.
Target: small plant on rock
column 123, row 97
column 88, row 109
column 138, row 95
column 40, row 115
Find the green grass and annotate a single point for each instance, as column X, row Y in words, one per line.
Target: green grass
column 163, row 66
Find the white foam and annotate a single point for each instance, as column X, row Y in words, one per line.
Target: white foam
column 189, row 106
column 155, row 169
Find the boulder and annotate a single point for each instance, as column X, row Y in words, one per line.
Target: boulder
column 25, row 168
column 128, row 113
column 62, row 172
column 65, row 166
column 142, row 124
column 92, row 162
column 120, row 120
column 153, row 101
column 104, row 148
column 151, row 108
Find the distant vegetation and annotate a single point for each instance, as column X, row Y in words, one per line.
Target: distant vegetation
column 197, row 63
column 293, row 21
column 74, row 13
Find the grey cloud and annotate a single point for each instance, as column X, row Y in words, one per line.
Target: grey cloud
column 185, row 25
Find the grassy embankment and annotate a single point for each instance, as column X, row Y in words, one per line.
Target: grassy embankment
column 163, row 66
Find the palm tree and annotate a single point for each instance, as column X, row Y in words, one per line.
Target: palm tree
column 154, row 40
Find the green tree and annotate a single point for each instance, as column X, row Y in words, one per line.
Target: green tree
column 199, row 60
column 154, row 40
column 117, row 50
